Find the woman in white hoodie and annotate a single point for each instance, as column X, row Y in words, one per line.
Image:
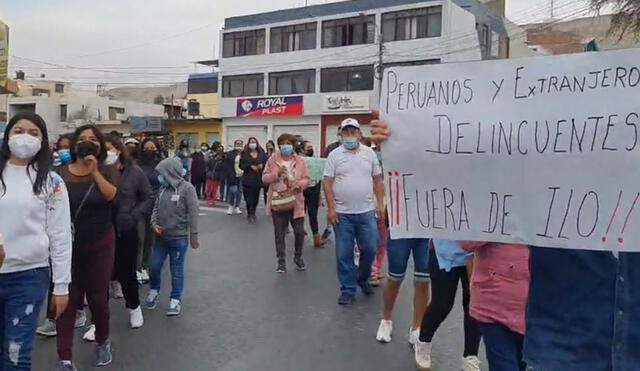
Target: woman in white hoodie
column 36, row 228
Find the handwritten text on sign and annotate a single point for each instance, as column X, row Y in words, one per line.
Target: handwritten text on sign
column 541, row 151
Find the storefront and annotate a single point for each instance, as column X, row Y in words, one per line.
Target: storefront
column 338, row 106
column 195, row 131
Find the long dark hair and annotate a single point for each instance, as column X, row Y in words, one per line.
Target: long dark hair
column 102, row 155
column 41, row 162
column 247, row 150
column 124, row 158
column 68, row 136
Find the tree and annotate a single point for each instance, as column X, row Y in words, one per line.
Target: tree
column 626, row 15
column 158, row 100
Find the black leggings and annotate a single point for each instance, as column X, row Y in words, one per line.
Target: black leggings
column 443, row 288
column 126, row 264
column 312, row 204
column 199, row 183
column 251, row 197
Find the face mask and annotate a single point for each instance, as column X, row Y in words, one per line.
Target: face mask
column 253, row 146
column 112, row 157
column 310, row 153
column 65, row 156
column 286, row 149
column 239, row 148
column 184, row 172
column 350, row 143
column 204, row 149
column 24, row 146
column 162, row 181
column 86, row 148
column 148, row 156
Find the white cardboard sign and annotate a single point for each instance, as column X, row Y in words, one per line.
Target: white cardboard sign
column 542, row 151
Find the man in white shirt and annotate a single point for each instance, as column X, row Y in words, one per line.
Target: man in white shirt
column 352, row 175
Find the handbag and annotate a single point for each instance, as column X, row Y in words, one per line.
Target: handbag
column 282, row 201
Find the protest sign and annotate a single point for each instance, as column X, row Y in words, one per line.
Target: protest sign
column 316, row 167
column 542, row 151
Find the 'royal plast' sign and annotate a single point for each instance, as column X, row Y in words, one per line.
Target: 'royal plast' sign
column 272, row 106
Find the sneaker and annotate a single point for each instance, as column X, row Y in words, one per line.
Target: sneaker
column 237, row 211
column 300, row 264
column 65, row 366
column 90, row 335
column 282, row 268
column 375, row 282
column 471, row 363
column 136, row 320
column 346, row 299
column 116, row 290
column 174, row 308
column 414, row 336
column 230, row 210
column 423, row 356
column 48, row 328
column 367, row 289
column 81, row 319
column 152, row 300
column 103, row 354
column 384, row 331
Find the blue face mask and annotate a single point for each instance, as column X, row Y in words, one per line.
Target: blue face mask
column 184, row 172
column 350, row 143
column 65, row 156
column 163, row 181
column 286, row 149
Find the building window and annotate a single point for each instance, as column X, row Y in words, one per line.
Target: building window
column 412, row 24
column 202, row 86
column 292, row 82
column 243, row 85
column 60, row 88
column 237, row 44
column 41, row 92
column 290, row 38
column 421, row 62
column 485, row 37
column 114, row 112
column 347, row 79
column 348, row 31
column 63, row 112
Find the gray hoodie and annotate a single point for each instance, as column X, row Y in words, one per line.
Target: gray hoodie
column 176, row 208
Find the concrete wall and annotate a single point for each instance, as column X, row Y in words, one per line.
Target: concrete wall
column 25, row 87
column 209, row 104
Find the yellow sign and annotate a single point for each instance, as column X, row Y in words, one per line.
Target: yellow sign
column 4, row 54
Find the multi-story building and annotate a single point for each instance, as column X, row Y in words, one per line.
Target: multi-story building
column 64, row 108
column 304, row 70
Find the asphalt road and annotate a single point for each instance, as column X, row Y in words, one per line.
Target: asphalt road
column 238, row 314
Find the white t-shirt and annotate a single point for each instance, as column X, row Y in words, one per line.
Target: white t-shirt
column 353, row 173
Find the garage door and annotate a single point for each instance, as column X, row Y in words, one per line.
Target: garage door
column 244, row 133
column 308, row 132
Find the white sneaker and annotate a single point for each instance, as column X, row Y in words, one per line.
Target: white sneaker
column 423, row 355
column 135, row 317
column 384, row 331
column 414, row 336
column 47, row 329
column 81, row 319
column 174, row 308
column 230, row 210
column 470, row 363
column 237, row 211
column 90, row 335
column 116, row 290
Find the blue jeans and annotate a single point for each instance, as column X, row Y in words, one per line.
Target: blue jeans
column 503, row 346
column 176, row 248
column 21, row 296
column 398, row 252
column 235, row 194
column 362, row 228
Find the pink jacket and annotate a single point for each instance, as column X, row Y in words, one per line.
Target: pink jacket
column 300, row 173
column 500, row 283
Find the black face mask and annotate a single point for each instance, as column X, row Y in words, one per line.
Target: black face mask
column 86, row 148
column 148, row 156
column 310, row 153
column 133, row 152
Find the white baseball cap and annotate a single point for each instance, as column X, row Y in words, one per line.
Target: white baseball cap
column 349, row 123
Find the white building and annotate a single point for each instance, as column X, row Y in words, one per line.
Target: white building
column 67, row 109
column 304, row 70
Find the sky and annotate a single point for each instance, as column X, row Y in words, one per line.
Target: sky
column 136, row 42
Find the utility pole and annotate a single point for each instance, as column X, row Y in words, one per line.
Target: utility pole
column 380, row 69
column 551, row 9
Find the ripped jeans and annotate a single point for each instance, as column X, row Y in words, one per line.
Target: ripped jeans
column 176, row 249
column 21, row 296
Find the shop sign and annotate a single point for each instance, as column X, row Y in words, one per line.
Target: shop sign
column 345, row 102
column 271, row 106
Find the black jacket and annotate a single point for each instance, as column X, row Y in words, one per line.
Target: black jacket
column 251, row 177
column 229, row 167
column 134, row 198
column 215, row 167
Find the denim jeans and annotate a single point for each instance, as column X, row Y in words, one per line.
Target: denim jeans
column 235, row 195
column 176, row 248
column 362, row 228
column 21, row 296
column 503, row 346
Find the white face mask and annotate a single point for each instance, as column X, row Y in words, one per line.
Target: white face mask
column 112, row 157
column 24, row 146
